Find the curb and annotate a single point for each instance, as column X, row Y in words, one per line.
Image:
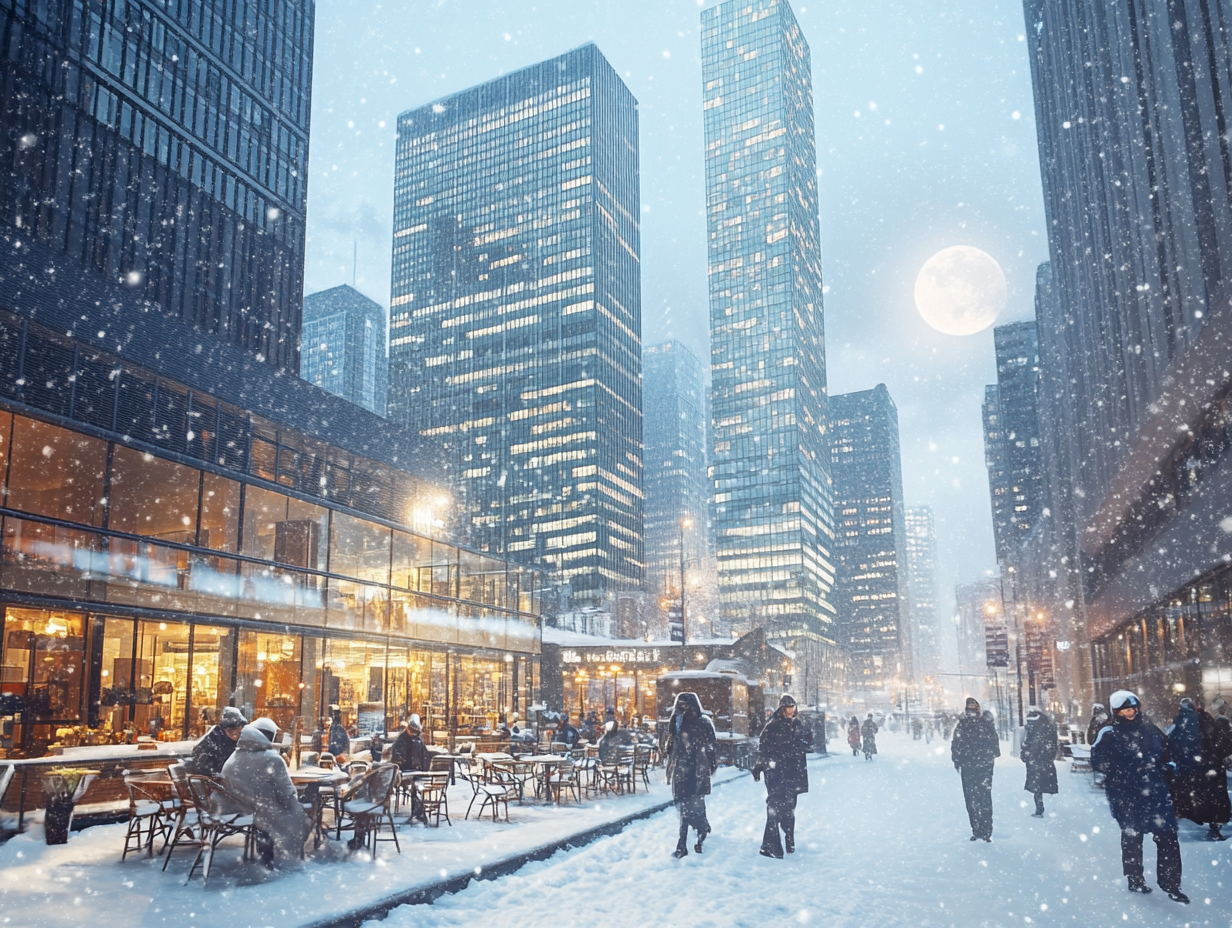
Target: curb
column 423, row 895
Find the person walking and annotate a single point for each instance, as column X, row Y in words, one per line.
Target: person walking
column 1132, row 753
column 973, row 749
column 781, row 758
column 692, row 757
column 257, row 777
column 339, row 741
column 1099, row 718
column 1200, row 787
column 868, row 731
column 1039, row 753
column 211, row 752
column 853, row 736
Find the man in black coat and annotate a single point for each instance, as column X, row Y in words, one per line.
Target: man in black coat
column 566, row 733
column 212, row 751
column 1039, row 753
column 973, row 748
column 1133, row 755
column 410, row 753
column 781, row 757
column 692, row 757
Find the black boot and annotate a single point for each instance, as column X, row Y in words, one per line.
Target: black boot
column 1214, row 834
column 682, row 849
column 789, row 842
column 1177, row 896
column 1138, row 885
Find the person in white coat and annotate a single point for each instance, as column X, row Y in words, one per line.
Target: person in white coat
column 256, row 776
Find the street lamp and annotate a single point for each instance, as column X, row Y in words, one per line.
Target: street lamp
column 685, row 522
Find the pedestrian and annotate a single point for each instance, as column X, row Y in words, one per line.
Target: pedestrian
column 1099, row 718
column 614, row 738
column 692, row 757
column 566, row 734
column 1039, row 753
column 781, row 758
column 211, row 752
column 1200, row 788
column 256, row 776
column 868, row 732
column 1132, row 753
column 853, row 736
column 590, row 727
column 973, row 749
column 409, row 751
column 917, row 728
column 339, row 741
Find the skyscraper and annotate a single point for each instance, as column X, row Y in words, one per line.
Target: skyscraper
column 163, row 147
column 921, row 546
column 342, row 349
column 870, row 592
column 772, row 516
column 677, row 501
column 1012, row 438
column 516, row 312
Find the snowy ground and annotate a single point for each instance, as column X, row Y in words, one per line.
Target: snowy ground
column 881, row 843
column 84, row 882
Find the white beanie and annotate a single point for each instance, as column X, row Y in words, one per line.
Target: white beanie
column 1122, row 698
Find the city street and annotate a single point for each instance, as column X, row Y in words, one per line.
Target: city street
column 880, row 843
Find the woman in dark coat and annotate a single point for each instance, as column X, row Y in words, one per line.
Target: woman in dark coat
column 692, row 756
column 1200, row 787
column 781, row 757
column 869, row 732
column 853, row 736
column 1039, row 753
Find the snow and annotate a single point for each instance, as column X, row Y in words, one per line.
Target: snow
column 879, row 843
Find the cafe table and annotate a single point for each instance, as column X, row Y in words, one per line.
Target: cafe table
column 542, row 766
column 304, row 778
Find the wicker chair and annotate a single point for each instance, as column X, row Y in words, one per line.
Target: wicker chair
column 147, row 816
column 187, row 822
column 216, row 824
column 367, row 804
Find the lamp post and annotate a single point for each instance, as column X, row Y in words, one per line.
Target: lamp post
column 685, row 522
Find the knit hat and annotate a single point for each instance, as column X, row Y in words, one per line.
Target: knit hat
column 786, row 700
column 232, row 718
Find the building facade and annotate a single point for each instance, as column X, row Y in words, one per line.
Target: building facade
column 871, row 589
column 1129, row 102
column 676, row 487
column 342, row 348
column 163, row 146
column 516, row 313
column 920, row 538
column 772, row 518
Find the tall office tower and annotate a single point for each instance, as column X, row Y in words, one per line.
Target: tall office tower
column 1012, row 438
column 162, row 147
column 516, row 312
column 870, row 592
column 342, row 349
column 772, row 515
column 677, row 501
column 921, row 546
column 979, row 623
column 1130, row 106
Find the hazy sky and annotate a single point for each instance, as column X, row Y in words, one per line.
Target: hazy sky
column 925, row 139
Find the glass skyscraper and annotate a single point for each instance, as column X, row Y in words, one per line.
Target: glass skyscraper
column 164, row 147
column 343, row 346
column 516, row 313
column 921, row 545
column 772, row 516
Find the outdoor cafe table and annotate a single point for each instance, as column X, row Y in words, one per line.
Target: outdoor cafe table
column 543, row 765
column 414, row 777
column 308, row 776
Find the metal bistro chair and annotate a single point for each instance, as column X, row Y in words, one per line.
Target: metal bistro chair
column 187, row 822
column 494, row 787
column 641, row 763
column 147, row 816
column 433, row 793
column 566, row 776
column 367, row 803
column 217, row 825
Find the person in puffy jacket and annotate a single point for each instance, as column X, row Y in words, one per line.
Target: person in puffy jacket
column 1099, row 718
column 211, row 752
column 781, row 759
column 256, row 776
column 973, row 749
column 1039, row 753
column 853, row 736
column 692, row 757
column 1132, row 754
column 868, row 732
column 1200, row 787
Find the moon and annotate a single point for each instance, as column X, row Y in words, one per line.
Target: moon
column 960, row 290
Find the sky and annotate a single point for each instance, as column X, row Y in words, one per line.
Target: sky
column 925, row 139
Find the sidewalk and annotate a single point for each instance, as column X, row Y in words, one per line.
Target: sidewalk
column 84, row 881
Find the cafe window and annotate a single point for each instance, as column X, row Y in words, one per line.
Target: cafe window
column 43, row 661
column 289, row 531
column 411, row 554
column 56, row 473
column 268, row 676
column 359, row 549
column 210, row 686
column 161, row 704
column 353, row 678
column 358, row 606
column 154, row 497
column 50, row 559
column 220, row 514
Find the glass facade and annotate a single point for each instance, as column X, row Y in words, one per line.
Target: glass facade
column 343, row 346
column 772, row 516
column 146, row 583
column 871, row 591
column 515, row 317
column 146, row 139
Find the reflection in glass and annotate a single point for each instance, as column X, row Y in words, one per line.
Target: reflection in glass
column 220, row 514
column 268, row 678
column 359, row 548
column 55, row 472
column 152, row 496
column 161, row 697
column 279, row 528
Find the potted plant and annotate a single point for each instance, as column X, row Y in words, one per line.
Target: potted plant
column 63, row 786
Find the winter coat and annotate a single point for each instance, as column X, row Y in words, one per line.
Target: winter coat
column 1200, row 793
column 1099, row 718
column 210, row 753
column 256, row 776
column 1185, row 740
column 1039, row 753
column 869, row 731
column 974, row 742
column 691, row 749
column 1132, row 756
column 339, row 741
column 781, row 754
column 409, row 752
column 567, row 734
column 611, row 743
column 853, row 733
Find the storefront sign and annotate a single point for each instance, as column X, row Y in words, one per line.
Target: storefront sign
column 628, row 658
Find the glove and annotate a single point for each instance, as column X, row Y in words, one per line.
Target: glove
column 757, row 773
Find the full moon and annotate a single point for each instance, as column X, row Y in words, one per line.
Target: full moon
column 960, row 290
